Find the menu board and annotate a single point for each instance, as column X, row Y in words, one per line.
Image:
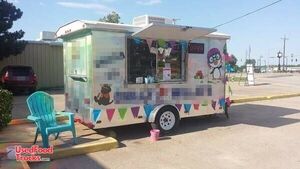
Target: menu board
column 196, row 48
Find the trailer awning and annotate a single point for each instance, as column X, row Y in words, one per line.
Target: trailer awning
column 172, row 32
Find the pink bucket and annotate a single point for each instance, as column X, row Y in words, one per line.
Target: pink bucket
column 154, row 134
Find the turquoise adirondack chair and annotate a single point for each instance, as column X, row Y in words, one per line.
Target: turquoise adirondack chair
column 42, row 111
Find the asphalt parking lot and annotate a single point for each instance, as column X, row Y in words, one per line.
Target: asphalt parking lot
column 258, row 135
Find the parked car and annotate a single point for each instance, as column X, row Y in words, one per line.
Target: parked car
column 18, row 78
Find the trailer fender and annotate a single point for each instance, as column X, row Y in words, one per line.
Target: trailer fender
column 152, row 116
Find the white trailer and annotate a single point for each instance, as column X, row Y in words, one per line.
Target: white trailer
column 117, row 74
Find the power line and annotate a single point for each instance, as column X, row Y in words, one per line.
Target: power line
column 249, row 13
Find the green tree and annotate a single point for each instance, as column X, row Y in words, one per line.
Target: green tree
column 233, row 60
column 251, row 61
column 113, row 17
column 9, row 41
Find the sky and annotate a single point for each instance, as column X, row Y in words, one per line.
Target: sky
column 262, row 30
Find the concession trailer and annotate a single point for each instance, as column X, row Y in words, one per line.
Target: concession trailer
column 151, row 71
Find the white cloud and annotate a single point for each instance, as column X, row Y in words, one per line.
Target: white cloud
column 149, row 2
column 96, row 6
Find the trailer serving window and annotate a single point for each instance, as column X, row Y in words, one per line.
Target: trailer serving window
column 169, row 44
column 158, row 60
column 141, row 63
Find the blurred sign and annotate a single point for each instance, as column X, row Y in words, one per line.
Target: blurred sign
column 250, row 74
column 196, row 48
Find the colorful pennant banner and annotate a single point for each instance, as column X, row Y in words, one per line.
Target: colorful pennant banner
column 222, row 102
column 96, row 115
column 122, row 112
column 213, row 104
column 196, row 106
column 187, row 107
column 204, row 103
column 148, row 109
column 110, row 113
column 178, row 106
column 135, row 111
column 228, row 102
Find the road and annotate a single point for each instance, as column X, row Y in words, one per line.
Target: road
column 258, row 135
column 266, row 84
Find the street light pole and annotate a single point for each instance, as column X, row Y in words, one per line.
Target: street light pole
column 283, row 56
column 279, row 55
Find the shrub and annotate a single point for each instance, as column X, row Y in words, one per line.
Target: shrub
column 6, row 99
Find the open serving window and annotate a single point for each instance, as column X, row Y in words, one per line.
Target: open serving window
column 157, row 53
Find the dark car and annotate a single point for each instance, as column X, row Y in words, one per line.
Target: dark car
column 18, row 78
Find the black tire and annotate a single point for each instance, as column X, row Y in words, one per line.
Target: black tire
column 164, row 119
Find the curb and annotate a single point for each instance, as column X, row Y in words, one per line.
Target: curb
column 252, row 99
column 100, row 145
column 25, row 121
column 25, row 165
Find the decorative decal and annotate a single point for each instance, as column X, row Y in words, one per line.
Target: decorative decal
column 135, row 111
column 110, row 113
column 214, row 60
column 187, row 108
column 198, row 75
column 148, row 109
column 213, row 104
column 196, row 106
column 178, row 106
column 103, row 98
column 96, row 115
column 122, row 112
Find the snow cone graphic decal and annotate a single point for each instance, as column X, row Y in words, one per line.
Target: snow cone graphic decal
column 215, row 62
column 103, row 98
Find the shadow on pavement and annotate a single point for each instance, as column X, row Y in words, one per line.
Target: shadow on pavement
column 250, row 114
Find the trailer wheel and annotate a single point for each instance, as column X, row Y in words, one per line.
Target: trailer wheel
column 167, row 119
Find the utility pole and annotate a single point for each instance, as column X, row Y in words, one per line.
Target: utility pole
column 283, row 54
column 249, row 51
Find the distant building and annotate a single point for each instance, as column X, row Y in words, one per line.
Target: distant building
column 46, row 58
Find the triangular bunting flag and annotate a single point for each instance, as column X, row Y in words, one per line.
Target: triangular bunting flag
column 161, row 43
column 228, row 102
column 204, row 103
column 178, row 106
column 96, row 115
column 137, row 40
column 213, row 104
column 196, row 106
column 149, row 43
column 187, row 107
column 110, row 113
column 122, row 112
column 148, row 109
column 135, row 111
column 222, row 102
